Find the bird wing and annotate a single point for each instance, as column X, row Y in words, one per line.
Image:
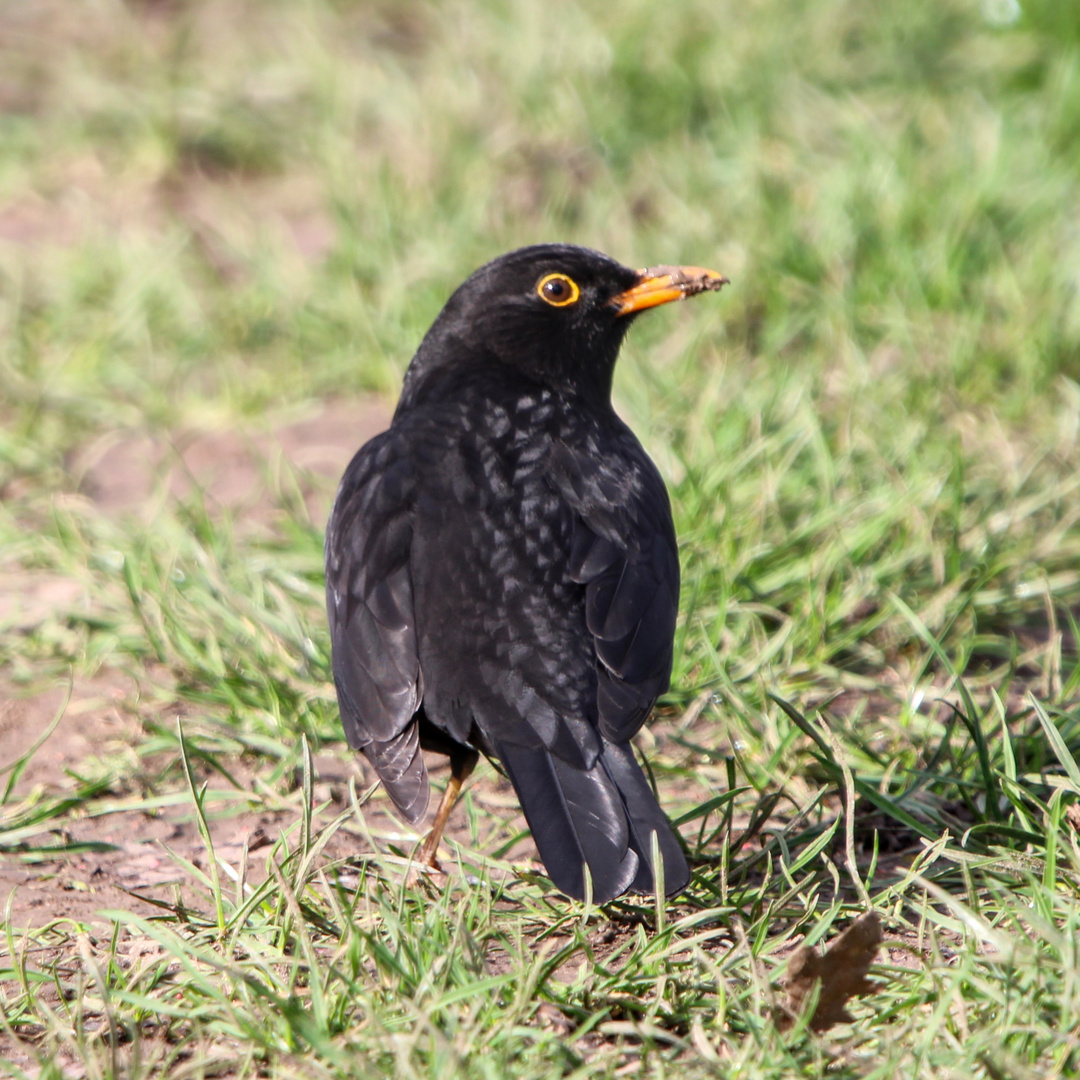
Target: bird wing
column 369, row 600
column 624, row 552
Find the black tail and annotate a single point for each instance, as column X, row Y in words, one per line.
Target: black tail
column 603, row 818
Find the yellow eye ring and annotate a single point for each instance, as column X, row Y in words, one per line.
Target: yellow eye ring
column 558, row 290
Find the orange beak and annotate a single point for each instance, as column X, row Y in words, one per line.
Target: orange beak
column 662, row 284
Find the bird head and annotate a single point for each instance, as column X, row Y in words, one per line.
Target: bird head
column 556, row 312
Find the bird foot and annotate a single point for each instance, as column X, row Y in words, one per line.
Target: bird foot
column 427, row 871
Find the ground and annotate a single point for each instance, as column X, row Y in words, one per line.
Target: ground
column 225, row 226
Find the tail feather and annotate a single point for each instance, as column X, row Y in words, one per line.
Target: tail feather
column 576, row 820
column 602, row 818
column 645, row 818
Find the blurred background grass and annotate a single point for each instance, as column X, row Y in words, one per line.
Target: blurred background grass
column 214, row 213
column 227, row 205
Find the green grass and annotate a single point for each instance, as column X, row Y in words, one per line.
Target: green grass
column 212, row 213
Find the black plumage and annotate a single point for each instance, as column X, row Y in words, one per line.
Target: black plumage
column 502, row 571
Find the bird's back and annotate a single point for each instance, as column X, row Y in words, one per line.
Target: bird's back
column 501, row 624
column 506, row 655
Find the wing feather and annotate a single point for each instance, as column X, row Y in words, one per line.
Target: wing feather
column 624, row 552
column 369, row 602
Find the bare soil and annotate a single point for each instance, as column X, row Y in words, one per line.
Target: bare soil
column 102, row 857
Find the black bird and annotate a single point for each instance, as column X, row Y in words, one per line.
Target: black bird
column 501, row 567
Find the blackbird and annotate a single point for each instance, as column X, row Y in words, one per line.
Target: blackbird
column 502, row 574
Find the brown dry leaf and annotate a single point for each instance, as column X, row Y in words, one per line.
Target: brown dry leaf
column 841, row 971
column 1072, row 815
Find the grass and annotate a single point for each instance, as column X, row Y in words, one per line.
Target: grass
column 213, row 214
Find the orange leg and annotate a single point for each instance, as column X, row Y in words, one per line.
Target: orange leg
column 460, row 768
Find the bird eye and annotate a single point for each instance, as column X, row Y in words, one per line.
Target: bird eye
column 558, row 290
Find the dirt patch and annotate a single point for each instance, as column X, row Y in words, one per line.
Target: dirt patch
column 27, row 599
column 82, row 859
column 124, row 472
column 124, row 850
column 93, row 724
column 122, row 845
